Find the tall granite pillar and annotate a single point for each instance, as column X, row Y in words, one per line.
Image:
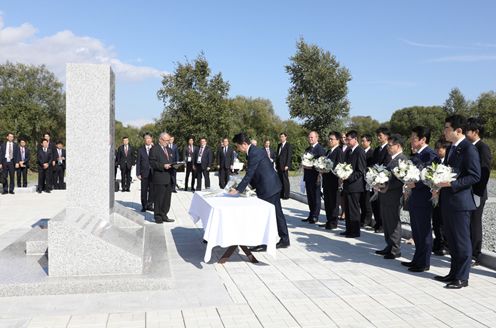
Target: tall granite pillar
column 90, row 113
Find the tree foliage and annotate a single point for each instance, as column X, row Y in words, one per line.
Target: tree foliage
column 32, row 102
column 318, row 92
column 195, row 103
column 485, row 108
column 456, row 103
column 403, row 120
column 363, row 125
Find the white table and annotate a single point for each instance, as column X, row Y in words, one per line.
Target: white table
column 233, row 221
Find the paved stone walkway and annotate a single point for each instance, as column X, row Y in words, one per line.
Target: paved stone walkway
column 322, row 280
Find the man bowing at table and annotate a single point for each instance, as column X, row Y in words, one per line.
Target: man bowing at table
column 261, row 175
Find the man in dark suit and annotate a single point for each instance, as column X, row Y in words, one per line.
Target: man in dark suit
column 475, row 130
column 9, row 162
column 283, row 163
column 203, row 161
column 161, row 162
column 354, row 186
column 365, row 206
column 22, row 171
column 270, row 153
column 175, row 159
column 380, row 157
column 439, row 244
column 457, row 201
column 225, row 158
column 44, row 160
column 188, row 155
column 312, row 180
column 390, row 200
column 261, row 175
column 144, row 173
column 419, row 202
column 125, row 158
column 52, row 148
column 330, row 182
column 58, row 180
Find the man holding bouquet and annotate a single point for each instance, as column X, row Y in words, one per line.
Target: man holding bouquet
column 311, row 178
column 419, row 204
column 330, row 182
column 457, row 201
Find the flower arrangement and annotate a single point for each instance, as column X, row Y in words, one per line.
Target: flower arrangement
column 308, row 160
column 343, row 170
column 434, row 174
column 407, row 172
column 377, row 176
column 323, row 164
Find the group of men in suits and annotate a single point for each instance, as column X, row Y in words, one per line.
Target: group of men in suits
column 51, row 160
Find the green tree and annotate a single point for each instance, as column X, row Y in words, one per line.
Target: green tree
column 456, row 103
column 32, row 102
column 485, row 108
column 403, row 120
column 364, row 124
column 318, row 92
column 195, row 103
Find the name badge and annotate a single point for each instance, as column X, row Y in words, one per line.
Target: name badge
column 189, row 158
column 199, row 160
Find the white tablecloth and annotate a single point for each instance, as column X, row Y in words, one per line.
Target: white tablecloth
column 228, row 221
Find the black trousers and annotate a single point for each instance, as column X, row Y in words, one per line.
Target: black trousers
column 439, row 243
column 476, row 229
column 313, row 197
column 282, row 228
column 162, row 194
column 206, row 175
column 332, row 198
column 43, row 179
column 457, row 228
column 22, row 177
column 50, row 176
column 173, row 178
column 59, row 177
column 392, row 227
column 420, row 221
column 146, row 192
column 283, row 176
column 223, row 177
column 125, row 178
column 366, row 208
column 376, row 209
column 189, row 170
column 8, row 176
column 352, row 210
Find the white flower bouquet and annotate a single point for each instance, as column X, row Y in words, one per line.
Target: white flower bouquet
column 377, row 176
column 343, row 170
column 407, row 172
column 308, row 160
column 435, row 174
column 323, row 164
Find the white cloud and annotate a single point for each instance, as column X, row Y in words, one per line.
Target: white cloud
column 426, row 45
column 20, row 44
column 464, row 59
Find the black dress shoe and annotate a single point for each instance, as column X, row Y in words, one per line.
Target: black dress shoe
column 47, row 191
column 159, row 221
column 306, row 220
column 313, row 220
column 5, row 193
column 38, row 191
column 447, row 278
column 174, row 191
column 259, row 248
column 457, row 284
column 378, row 230
column 11, row 192
column 439, row 252
column 282, row 244
column 344, row 233
column 382, row 252
column 475, row 263
column 353, row 235
column 408, row 264
column 143, row 209
column 418, row 269
column 151, row 208
column 169, row 220
column 330, row 226
column 392, row 256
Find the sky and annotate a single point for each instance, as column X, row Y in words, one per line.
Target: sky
column 399, row 53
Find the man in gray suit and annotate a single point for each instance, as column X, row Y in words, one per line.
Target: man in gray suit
column 390, row 200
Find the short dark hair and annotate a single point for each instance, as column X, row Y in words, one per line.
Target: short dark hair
column 441, row 143
column 147, row 134
column 352, row 134
column 476, row 124
column 397, row 139
column 336, row 135
column 9, row 133
column 384, row 130
column 190, row 137
column 367, row 136
column 22, row 139
column 59, row 143
column 47, row 133
column 422, row 132
column 457, row 122
column 203, row 138
column 43, row 140
column 124, row 138
column 283, row 133
column 241, row 138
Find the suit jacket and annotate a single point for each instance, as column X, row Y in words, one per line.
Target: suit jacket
column 44, row 157
column 369, row 157
column 123, row 160
column 225, row 160
column 356, row 181
column 421, row 194
column 392, row 196
column 157, row 159
column 464, row 160
column 143, row 167
column 283, row 158
column 175, row 153
column 329, row 180
column 311, row 175
column 381, row 156
column 15, row 153
column 480, row 188
column 187, row 153
column 206, row 159
column 271, row 155
column 57, row 156
column 27, row 156
column 260, row 174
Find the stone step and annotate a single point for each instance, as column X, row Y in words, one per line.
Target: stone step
column 37, row 241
